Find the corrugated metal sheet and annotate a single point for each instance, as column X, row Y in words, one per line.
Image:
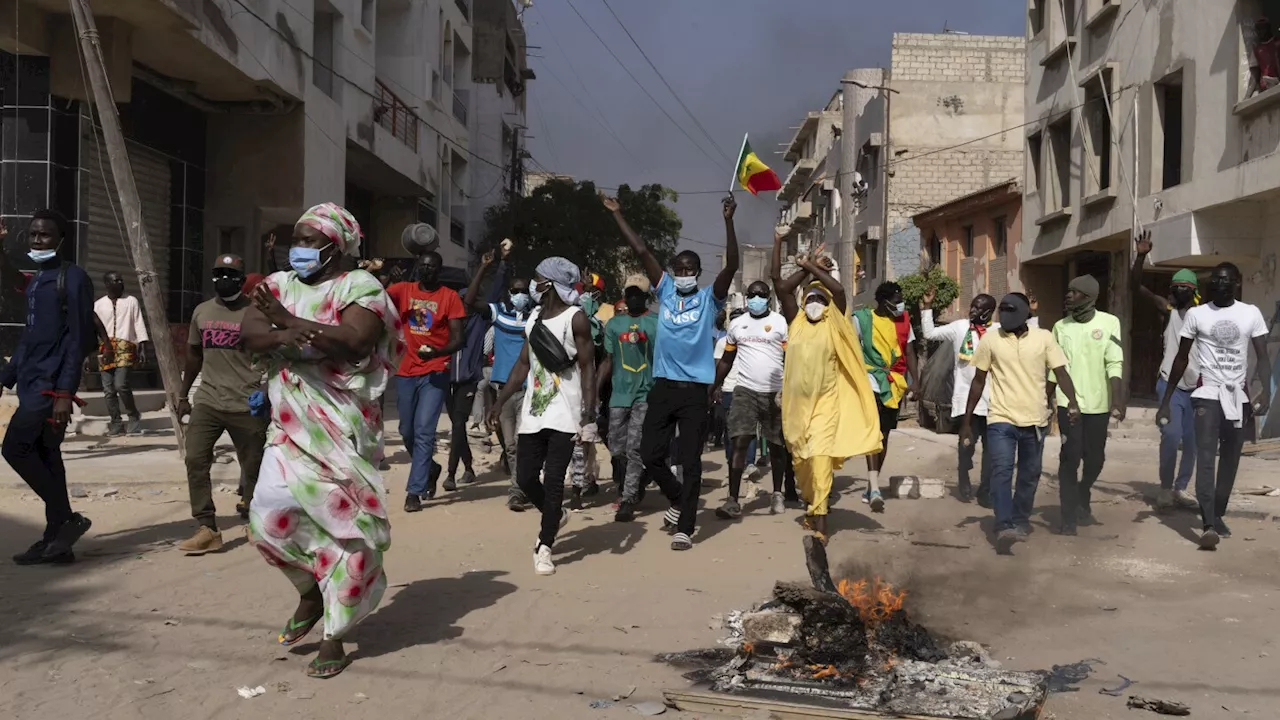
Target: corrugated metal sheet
column 107, row 245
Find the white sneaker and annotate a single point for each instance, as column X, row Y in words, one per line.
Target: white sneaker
column 542, row 564
column 1184, row 499
column 749, row 472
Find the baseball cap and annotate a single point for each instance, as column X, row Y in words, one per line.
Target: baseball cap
column 638, row 281
column 229, row 261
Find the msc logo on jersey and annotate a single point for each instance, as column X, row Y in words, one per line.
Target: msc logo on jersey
column 682, row 311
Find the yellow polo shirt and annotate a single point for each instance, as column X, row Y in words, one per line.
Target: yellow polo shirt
column 1016, row 368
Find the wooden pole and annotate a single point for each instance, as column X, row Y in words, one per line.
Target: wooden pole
column 131, row 207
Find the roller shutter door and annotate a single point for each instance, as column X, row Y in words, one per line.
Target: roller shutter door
column 107, row 246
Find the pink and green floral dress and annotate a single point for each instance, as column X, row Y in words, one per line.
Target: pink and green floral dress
column 319, row 511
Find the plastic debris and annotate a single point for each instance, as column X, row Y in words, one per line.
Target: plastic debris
column 248, row 693
column 1117, row 692
column 649, row 709
column 600, row 704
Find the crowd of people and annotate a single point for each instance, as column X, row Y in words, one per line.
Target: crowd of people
column 294, row 366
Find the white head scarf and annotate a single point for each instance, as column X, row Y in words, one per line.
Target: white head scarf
column 564, row 275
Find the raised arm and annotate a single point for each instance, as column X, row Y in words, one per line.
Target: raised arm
column 818, row 270
column 785, row 289
column 930, row 330
column 1141, row 248
column 469, row 300
column 651, row 266
column 731, row 257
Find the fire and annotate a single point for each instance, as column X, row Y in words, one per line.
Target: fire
column 824, row 671
column 876, row 601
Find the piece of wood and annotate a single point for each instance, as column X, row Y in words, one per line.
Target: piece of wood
column 815, row 559
column 743, row 706
column 131, row 207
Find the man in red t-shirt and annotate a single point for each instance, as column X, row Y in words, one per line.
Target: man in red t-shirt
column 431, row 320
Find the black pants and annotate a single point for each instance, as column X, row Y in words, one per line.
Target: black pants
column 462, row 395
column 1215, row 434
column 675, row 405
column 33, row 448
column 1084, row 440
column 547, row 452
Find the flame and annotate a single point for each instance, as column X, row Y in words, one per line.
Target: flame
column 875, row 601
column 748, row 648
column 824, row 671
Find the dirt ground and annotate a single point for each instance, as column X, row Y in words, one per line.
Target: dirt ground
column 136, row 630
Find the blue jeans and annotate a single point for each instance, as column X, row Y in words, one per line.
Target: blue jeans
column 1181, row 429
column 1005, row 442
column 419, row 401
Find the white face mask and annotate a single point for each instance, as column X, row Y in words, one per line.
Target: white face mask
column 814, row 311
column 899, row 308
column 686, row 284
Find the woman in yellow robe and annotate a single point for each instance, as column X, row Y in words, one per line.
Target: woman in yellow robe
column 828, row 405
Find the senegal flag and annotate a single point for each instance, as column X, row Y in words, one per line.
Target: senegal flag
column 752, row 174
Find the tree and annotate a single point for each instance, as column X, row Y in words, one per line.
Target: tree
column 915, row 284
column 566, row 218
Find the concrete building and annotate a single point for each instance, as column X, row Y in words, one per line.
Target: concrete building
column 808, row 191
column 501, row 75
column 920, row 134
column 975, row 239
column 238, row 117
column 1186, row 146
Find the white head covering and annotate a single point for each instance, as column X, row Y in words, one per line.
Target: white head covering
column 564, row 275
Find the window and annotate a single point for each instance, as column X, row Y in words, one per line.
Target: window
column 1034, row 147
column 366, row 14
column 868, row 165
column 322, row 41
column 966, row 242
column 869, row 256
column 1035, row 16
column 1255, row 17
column 1168, row 133
column 1058, row 181
column 935, row 250
column 999, row 236
column 427, row 210
column 1097, row 120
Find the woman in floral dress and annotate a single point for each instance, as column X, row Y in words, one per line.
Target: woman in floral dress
column 329, row 340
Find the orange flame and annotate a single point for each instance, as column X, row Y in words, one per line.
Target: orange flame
column 875, row 601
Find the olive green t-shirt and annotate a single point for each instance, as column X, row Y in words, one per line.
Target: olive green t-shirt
column 227, row 377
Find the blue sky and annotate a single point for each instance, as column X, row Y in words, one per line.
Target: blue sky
column 742, row 66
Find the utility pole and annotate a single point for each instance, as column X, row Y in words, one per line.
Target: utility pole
column 122, row 172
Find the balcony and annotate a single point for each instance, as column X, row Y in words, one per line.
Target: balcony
column 464, row 7
column 390, row 112
column 799, row 215
column 460, row 98
column 797, row 179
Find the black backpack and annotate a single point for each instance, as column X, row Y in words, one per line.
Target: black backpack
column 89, row 340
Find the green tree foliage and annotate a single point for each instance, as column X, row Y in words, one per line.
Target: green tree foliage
column 915, row 285
column 566, row 218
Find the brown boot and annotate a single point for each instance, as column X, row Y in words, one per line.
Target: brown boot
column 204, row 541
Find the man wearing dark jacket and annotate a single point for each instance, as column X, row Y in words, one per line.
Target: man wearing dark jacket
column 45, row 370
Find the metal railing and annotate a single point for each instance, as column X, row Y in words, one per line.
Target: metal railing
column 395, row 116
column 460, row 105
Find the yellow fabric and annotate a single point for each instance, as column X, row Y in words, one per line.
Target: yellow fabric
column 884, row 338
column 828, row 406
column 814, row 477
column 1016, row 369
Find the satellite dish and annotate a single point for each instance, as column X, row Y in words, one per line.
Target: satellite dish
column 419, row 238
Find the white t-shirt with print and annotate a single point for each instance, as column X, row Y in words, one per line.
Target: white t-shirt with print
column 761, row 343
column 1222, row 336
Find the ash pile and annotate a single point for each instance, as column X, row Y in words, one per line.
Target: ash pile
column 853, row 645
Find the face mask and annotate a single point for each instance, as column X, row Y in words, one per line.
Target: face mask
column 1184, row 296
column 306, row 261
column 1011, row 320
column 686, row 284
column 228, row 288
column 536, row 292
column 899, row 309
column 981, row 317
column 757, row 305
column 589, row 304
column 520, row 301
column 42, row 256
column 814, row 311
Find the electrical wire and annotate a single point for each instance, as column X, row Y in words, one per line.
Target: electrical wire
column 608, row 129
column 670, row 89
column 648, row 94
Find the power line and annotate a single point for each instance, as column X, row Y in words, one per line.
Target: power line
column 639, row 85
column 598, row 120
column 670, row 89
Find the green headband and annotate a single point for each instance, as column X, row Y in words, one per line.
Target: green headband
column 1186, row 276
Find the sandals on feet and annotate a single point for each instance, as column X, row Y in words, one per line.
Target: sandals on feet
column 298, row 629
column 325, row 669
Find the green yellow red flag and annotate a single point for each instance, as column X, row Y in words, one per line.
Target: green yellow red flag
column 752, row 174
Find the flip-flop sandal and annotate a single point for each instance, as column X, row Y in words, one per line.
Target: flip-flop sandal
column 822, row 538
column 325, row 669
column 293, row 626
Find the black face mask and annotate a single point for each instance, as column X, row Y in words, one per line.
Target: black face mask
column 1221, row 291
column 1183, row 296
column 981, row 317
column 228, row 287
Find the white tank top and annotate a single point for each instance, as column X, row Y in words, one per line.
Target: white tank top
column 551, row 401
column 1172, row 339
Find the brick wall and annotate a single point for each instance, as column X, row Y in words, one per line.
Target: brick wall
column 939, row 177
column 963, row 58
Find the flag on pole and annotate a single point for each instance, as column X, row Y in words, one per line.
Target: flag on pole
column 752, row 174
